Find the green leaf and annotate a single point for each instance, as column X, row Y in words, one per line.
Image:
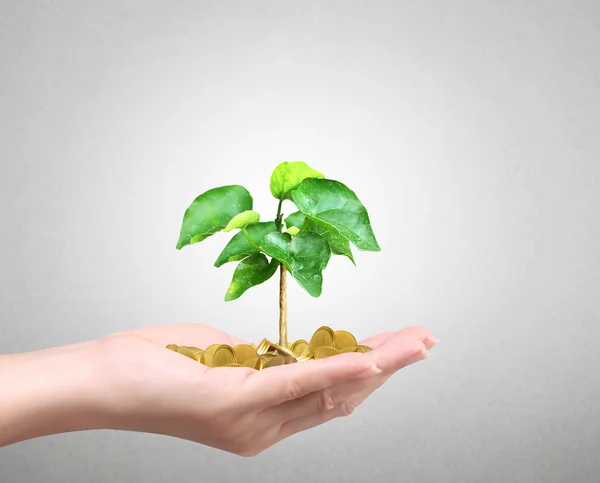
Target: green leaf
column 211, row 212
column 239, row 247
column 242, row 220
column 288, row 175
column 295, row 219
column 305, row 256
column 292, row 230
column 336, row 206
column 250, row 272
column 277, row 245
column 339, row 245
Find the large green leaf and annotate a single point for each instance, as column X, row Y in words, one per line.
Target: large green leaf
column 251, row 271
column 288, row 175
column 211, row 212
column 336, row 206
column 277, row 245
column 338, row 243
column 305, row 256
column 242, row 220
column 239, row 247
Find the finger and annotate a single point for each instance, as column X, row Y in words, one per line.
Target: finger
column 276, row 385
column 415, row 331
column 401, row 352
column 196, row 335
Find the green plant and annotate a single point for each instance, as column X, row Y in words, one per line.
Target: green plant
column 328, row 219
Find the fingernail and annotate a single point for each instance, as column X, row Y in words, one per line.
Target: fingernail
column 330, row 403
column 368, row 372
column 425, row 353
column 433, row 341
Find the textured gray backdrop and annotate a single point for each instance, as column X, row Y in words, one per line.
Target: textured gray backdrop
column 469, row 130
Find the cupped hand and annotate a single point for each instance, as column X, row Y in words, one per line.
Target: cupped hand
column 151, row 389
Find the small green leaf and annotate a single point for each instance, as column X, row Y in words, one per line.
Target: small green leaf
column 239, row 247
column 288, row 175
column 242, row 220
column 305, row 256
column 250, row 272
column 211, row 212
column 335, row 205
column 295, row 219
column 292, row 230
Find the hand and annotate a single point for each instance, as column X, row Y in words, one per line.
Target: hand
column 241, row 410
column 129, row 381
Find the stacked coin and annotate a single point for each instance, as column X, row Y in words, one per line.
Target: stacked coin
column 324, row 343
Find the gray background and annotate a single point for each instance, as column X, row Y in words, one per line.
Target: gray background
column 468, row 129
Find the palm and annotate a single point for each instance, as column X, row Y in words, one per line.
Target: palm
column 239, row 409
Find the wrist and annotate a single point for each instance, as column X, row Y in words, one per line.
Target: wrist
column 49, row 392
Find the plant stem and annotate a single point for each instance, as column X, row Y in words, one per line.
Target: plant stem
column 245, row 232
column 279, row 217
column 283, row 335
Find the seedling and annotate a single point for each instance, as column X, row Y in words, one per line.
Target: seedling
column 329, row 217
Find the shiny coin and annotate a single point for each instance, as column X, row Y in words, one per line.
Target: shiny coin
column 253, row 363
column 362, row 348
column 274, row 361
column 348, row 349
column 305, row 356
column 173, row 347
column 289, row 359
column 186, row 351
column 206, row 359
column 299, row 346
column 232, row 364
column 263, row 347
column 223, row 355
column 244, row 352
column 323, row 336
column 343, row 339
column 281, row 350
column 211, row 349
column 325, row 351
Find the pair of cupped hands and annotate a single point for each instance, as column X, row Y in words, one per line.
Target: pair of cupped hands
column 240, row 410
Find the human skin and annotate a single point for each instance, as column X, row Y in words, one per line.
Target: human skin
column 129, row 381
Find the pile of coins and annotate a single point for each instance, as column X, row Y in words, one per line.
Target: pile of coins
column 324, row 343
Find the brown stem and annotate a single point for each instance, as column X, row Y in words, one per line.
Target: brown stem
column 283, row 334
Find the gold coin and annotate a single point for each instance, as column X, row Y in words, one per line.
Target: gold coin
column 362, row 348
column 305, row 356
column 223, row 355
column 186, row 351
column 343, row 338
column 211, row 349
column 244, row 352
column 197, row 353
column 281, row 350
column 325, row 351
column 348, row 349
column 274, row 361
column 173, row 347
column 289, row 359
column 253, row 363
column 263, row 347
column 323, row 336
column 207, row 359
column 232, row 364
column 299, row 346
